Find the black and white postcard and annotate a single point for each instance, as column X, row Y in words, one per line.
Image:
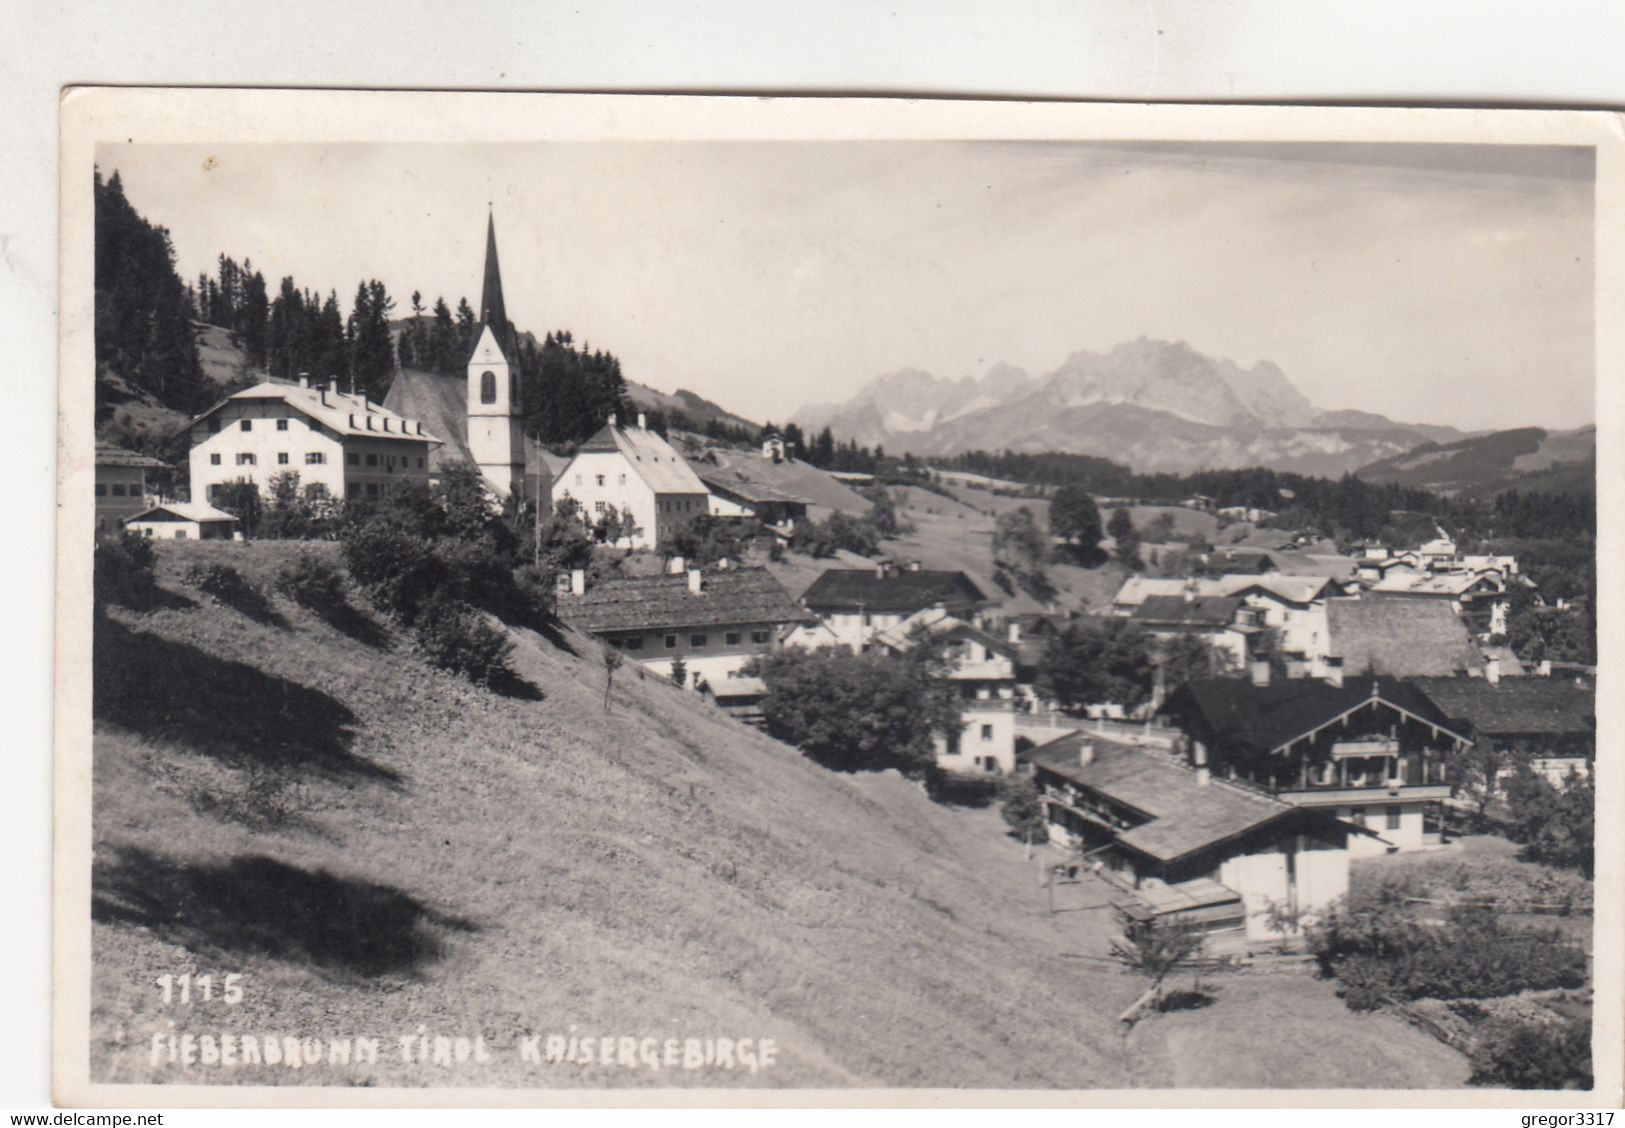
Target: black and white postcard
column 831, row 600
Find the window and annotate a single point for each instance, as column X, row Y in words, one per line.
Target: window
column 245, row 460
column 634, row 644
column 420, row 464
column 214, row 460
column 488, row 387
column 315, row 458
column 352, row 490
column 623, row 479
column 372, row 489
column 101, row 488
column 316, row 491
column 281, row 458
column 598, row 507
column 118, row 489
column 759, row 637
column 247, row 424
column 671, row 642
column 1393, row 818
column 372, row 460
column 180, row 534
column 600, row 479
column 1357, row 815
column 990, row 764
column 731, row 638
column 987, row 732
column 281, row 424
column 352, row 459
column 697, row 641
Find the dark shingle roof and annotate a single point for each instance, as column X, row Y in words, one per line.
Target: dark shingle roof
column 1201, row 611
column 1527, row 706
column 1402, row 637
column 737, row 596
column 732, row 481
column 842, row 589
column 1264, row 718
column 1183, row 814
column 109, row 455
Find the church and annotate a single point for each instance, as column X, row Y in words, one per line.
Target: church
column 631, row 470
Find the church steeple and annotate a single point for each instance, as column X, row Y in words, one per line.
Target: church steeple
column 493, row 311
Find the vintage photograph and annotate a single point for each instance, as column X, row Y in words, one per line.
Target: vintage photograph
column 1054, row 611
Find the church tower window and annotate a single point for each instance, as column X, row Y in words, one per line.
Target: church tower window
column 488, row 387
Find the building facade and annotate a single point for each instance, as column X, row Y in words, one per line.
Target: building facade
column 183, row 520
column 121, row 487
column 632, row 470
column 496, row 437
column 856, row 604
column 342, row 446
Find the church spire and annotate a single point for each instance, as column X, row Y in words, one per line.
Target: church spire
column 492, row 310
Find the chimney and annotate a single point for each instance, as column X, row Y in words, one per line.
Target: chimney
column 642, row 422
column 696, row 581
column 1086, row 753
column 1545, row 668
column 913, row 565
column 304, row 379
column 723, row 564
column 1014, row 629
column 1492, row 670
column 1260, row 672
column 1203, row 777
column 675, row 566
column 578, row 581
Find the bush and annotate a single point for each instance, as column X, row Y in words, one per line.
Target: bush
column 226, row 585
column 312, row 583
column 122, row 570
column 1523, row 1054
column 454, row 637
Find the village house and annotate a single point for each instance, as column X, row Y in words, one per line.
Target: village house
column 121, row 486
column 1223, row 622
column 855, row 604
column 1374, row 751
column 1226, row 561
column 1292, row 607
column 1188, row 845
column 341, row 445
column 1480, row 598
column 773, row 447
column 714, row 621
column 982, row 669
column 1548, row 723
column 183, row 520
column 1377, row 634
column 736, row 496
column 633, row 469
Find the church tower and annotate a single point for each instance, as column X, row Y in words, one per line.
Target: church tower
column 495, row 434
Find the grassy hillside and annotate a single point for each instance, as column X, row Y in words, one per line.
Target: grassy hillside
column 378, row 847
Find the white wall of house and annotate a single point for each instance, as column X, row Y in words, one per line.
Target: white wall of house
column 855, row 630
column 279, row 439
column 1378, row 816
column 1264, row 880
column 716, row 651
column 600, row 479
column 987, row 742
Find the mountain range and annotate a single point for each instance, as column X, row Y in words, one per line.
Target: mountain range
column 1154, row 405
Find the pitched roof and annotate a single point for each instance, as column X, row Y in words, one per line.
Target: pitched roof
column 109, row 455
column 1527, row 706
column 941, row 623
column 1268, row 717
column 1288, row 587
column 732, row 481
column 1176, row 610
column 1402, row 637
column 735, row 596
column 1438, row 583
column 1241, row 560
column 648, row 455
column 1183, row 814
column 493, row 311
column 339, row 411
column 186, row 510
column 842, row 589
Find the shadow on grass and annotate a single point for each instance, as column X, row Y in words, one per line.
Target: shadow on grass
column 255, row 905
column 224, row 709
column 509, row 684
column 350, row 621
column 1185, row 1000
column 141, row 595
column 952, row 790
column 250, row 601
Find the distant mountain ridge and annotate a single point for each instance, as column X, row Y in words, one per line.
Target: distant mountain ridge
column 1154, row 405
column 1525, row 458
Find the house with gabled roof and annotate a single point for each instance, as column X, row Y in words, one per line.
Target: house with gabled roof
column 715, row 621
column 1375, row 634
column 121, row 486
column 734, row 494
column 342, row 445
column 1292, row 606
column 183, row 520
column 855, row 604
column 633, row 470
column 982, row 668
column 1375, row 750
column 1548, row 723
column 1224, row 622
column 1182, row 842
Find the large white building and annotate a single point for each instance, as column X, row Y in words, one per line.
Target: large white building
column 496, row 436
column 633, row 469
column 340, row 445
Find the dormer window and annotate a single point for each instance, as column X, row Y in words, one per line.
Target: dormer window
column 488, row 387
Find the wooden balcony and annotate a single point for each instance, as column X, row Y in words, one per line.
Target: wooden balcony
column 1358, row 796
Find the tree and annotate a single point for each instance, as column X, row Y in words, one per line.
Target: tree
column 240, row 498
column 1121, row 529
column 1023, row 810
column 1018, row 543
column 1557, row 827
column 858, row 712
column 1095, row 662
column 612, row 662
column 1188, row 658
column 1074, row 517
column 679, row 672
column 1156, row 947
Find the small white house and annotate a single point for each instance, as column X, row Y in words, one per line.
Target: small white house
column 633, row 469
column 183, row 520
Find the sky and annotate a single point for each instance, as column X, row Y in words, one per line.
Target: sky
column 1431, row 283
